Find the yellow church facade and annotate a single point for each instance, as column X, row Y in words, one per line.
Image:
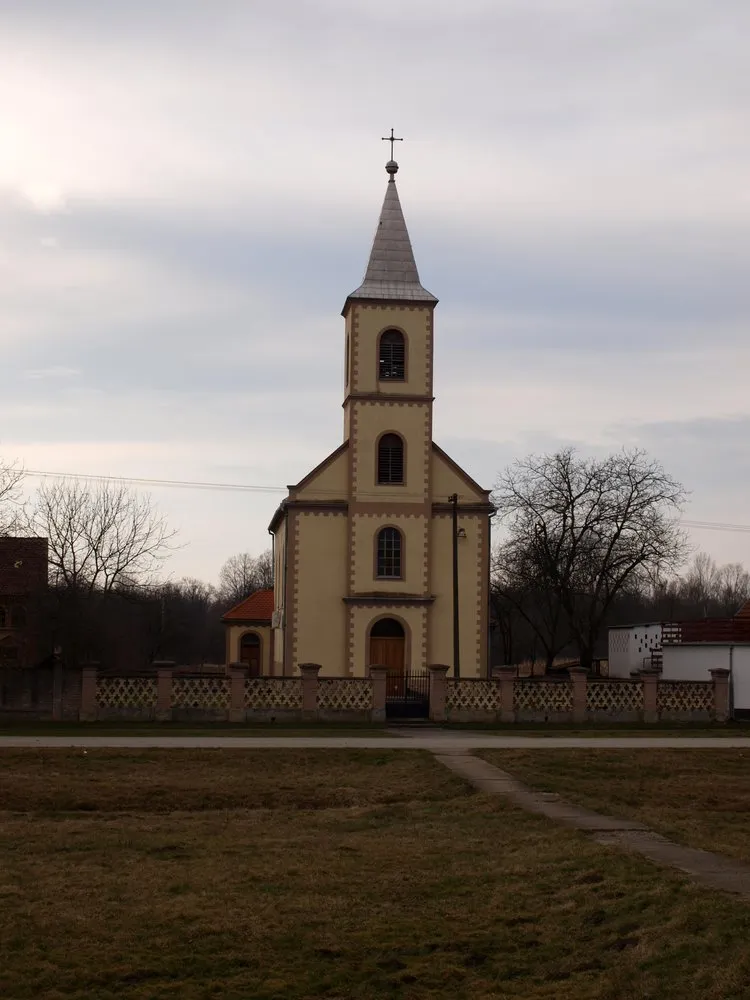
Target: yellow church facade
column 372, row 547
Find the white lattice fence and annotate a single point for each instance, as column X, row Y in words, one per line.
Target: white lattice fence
column 542, row 696
column 273, row 692
column 614, row 696
column 126, row 692
column 685, row 696
column 200, row 692
column 472, row 695
column 345, row 693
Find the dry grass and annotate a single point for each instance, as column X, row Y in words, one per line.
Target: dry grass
column 159, row 781
column 697, row 797
column 405, row 886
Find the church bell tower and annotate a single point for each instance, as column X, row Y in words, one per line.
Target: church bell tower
column 365, row 542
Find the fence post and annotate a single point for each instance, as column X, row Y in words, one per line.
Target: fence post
column 164, row 670
column 88, row 709
column 720, row 677
column 379, row 678
column 507, row 679
column 650, row 681
column 579, row 677
column 236, row 692
column 309, row 674
column 438, row 673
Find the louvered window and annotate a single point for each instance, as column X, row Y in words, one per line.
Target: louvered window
column 389, row 553
column 392, row 361
column 391, row 459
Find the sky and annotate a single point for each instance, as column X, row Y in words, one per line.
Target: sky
column 188, row 192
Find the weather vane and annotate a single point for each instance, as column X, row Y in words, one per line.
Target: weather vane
column 391, row 138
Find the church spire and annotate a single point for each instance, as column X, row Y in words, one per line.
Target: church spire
column 392, row 271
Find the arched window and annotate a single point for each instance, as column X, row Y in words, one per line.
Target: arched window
column 389, row 553
column 391, row 459
column 392, row 359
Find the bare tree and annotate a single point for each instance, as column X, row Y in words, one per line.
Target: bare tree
column 243, row 573
column 734, row 587
column 700, row 586
column 707, row 590
column 11, row 478
column 589, row 528
column 102, row 537
column 518, row 587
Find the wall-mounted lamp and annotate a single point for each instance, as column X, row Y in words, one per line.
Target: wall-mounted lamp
column 461, row 533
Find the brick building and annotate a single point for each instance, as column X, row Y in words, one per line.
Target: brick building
column 23, row 587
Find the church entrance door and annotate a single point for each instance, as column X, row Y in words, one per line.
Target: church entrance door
column 387, row 648
column 388, row 651
column 250, row 653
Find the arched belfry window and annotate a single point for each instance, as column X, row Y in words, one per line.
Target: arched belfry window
column 389, row 553
column 392, row 358
column 391, row 459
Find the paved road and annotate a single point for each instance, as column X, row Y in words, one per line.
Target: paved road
column 440, row 741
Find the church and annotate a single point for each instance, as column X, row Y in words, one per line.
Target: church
column 379, row 543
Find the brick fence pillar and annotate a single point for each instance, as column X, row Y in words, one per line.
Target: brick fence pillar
column 379, row 678
column 438, row 672
column 650, row 681
column 236, row 692
column 309, row 673
column 164, row 670
column 720, row 677
column 506, row 676
column 88, row 709
column 579, row 677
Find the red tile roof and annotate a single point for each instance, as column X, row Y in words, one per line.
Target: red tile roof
column 744, row 611
column 256, row 607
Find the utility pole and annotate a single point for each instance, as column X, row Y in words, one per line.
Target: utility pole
column 456, row 654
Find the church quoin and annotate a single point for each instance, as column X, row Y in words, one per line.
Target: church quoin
column 364, row 544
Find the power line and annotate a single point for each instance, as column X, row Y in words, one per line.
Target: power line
column 248, row 488
column 178, row 483
column 716, row 526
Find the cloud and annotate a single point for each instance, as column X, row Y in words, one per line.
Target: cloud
column 188, row 193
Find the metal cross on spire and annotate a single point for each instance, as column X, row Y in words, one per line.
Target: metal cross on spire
column 391, row 138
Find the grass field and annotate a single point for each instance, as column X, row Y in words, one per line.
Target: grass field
column 698, row 797
column 229, row 729
column 341, row 874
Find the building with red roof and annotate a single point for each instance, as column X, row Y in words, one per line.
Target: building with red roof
column 248, row 632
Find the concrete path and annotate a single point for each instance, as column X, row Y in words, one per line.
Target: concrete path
column 714, row 871
column 435, row 740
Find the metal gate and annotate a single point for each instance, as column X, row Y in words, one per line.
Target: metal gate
column 408, row 696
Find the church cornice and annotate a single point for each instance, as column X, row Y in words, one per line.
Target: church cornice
column 377, row 599
column 309, row 506
column 319, row 506
column 388, row 397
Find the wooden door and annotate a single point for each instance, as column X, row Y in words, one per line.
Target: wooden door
column 388, row 651
column 250, row 653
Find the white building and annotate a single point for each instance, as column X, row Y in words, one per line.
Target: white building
column 688, row 651
column 631, row 647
